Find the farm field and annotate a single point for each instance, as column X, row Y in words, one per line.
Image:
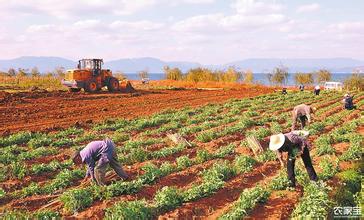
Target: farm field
column 48, row 111
column 217, row 177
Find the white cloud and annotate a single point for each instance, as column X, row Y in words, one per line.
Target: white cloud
column 250, row 14
column 256, row 7
column 308, row 8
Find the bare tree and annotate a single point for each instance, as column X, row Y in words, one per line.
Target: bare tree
column 323, row 75
column 303, row 78
column 279, row 75
column 248, row 77
column 60, row 72
column 35, row 72
column 11, row 72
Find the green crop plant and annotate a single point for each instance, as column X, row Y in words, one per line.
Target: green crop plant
column 220, row 170
column 2, row 193
column 138, row 209
column 18, row 138
column 280, row 182
column 224, row 151
column 206, row 136
column 183, row 162
column 167, row 168
column 50, row 167
column 266, row 156
column 121, row 188
column 68, row 132
column 355, row 149
column 64, row 179
column 24, row 215
column 18, row 170
column 202, row 155
column 246, row 202
column 243, row 164
column 315, row 203
column 349, row 188
column 329, row 168
column 38, row 152
column 323, row 145
column 75, row 200
column 41, row 140
column 119, row 137
column 151, row 173
column 168, row 198
column 63, row 142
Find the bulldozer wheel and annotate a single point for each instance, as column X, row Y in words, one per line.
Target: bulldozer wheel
column 74, row 89
column 91, row 86
column 113, row 85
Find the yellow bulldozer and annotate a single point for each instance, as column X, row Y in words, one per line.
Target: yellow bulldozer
column 90, row 76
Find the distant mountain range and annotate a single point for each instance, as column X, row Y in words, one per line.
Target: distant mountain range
column 154, row 65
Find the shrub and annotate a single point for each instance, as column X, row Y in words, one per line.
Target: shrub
column 355, row 82
column 172, row 73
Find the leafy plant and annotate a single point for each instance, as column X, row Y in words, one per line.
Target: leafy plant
column 138, row 209
column 246, row 202
column 244, row 163
column 183, row 162
column 168, row 198
column 315, row 202
column 329, row 169
column 76, row 199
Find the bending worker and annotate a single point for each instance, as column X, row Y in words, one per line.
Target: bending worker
column 97, row 155
column 295, row 146
column 301, row 113
column 348, row 101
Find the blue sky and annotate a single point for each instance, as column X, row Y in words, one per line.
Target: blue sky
column 205, row 31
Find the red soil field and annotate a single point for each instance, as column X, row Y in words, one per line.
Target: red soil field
column 46, row 111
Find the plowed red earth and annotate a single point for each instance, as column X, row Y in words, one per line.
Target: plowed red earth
column 46, row 111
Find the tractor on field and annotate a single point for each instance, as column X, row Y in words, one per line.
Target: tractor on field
column 90, row 76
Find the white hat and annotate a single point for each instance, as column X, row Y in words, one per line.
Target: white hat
column 276, row 141
column 346, row 95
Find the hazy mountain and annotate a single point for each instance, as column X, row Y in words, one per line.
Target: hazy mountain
column 43, row 64
column 154, row 65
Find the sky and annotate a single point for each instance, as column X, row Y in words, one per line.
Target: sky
column 204, row 31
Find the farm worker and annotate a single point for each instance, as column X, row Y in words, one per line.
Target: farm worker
column 97, row 155
column 296, row 146
column 317, row 90
column 348, row 102
column 284, row 91
column 301, row 113
column 302, row 87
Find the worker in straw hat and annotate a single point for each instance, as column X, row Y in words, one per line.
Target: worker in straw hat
column 97, row 155
column 296, row 146
column 302, row 113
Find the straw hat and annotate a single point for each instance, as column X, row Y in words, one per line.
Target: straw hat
column 276, row 141
column 346, row 95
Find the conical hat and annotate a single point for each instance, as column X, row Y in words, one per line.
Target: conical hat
column 276, row 141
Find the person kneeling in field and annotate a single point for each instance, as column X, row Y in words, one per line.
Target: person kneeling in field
column 97, row 155
column 301, row 113
column 295, row 146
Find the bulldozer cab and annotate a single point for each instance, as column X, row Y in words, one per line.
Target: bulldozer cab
column 95, row 65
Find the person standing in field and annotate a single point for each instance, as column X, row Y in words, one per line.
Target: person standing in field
column 97, row 155
column 317, row 90
column 301, row 113
column 295, row 146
